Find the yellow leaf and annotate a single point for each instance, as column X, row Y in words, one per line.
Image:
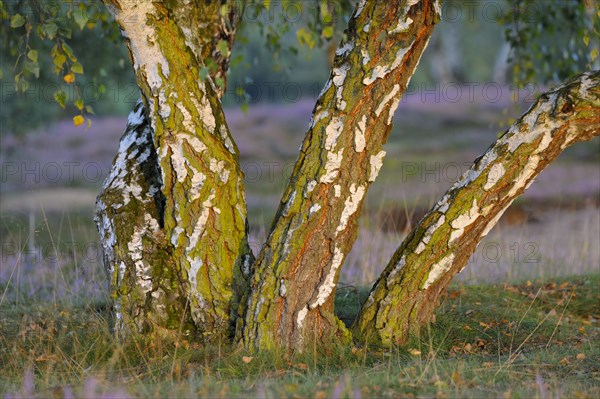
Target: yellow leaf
column 321, row 395
column 69, row 78
column 247, row 359
column 78, row 120
column 456, row 377
column 415, row 352
column 580, row 356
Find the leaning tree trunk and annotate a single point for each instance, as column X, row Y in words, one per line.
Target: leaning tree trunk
column 408, row 291
column 162, row 214
column 293, row 285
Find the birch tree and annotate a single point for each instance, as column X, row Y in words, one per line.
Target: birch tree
column 172, row 214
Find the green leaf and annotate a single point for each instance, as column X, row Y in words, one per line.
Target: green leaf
column 60, row 97
column 65, row 31
column 69, row 52
column 33, row 67
column 24, row 85
column 81, row 17
column 328, row 32
column 33, row 55
column 223, row 47
column 17, row 21
column 594, row 54
column 306, row 38
column 50, row 30
column 77, row 68
column 89, row 109
column 79, row 104
column 59, row 61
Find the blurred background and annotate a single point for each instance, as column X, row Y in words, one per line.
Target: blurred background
column 469, row 87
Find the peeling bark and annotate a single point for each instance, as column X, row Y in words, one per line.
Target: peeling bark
column 192, row 189
column 408, row 291
column 172, row 213
column 144, row 285
column 316, row 223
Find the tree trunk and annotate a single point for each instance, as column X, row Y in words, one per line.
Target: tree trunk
column 408, row 291
column 162, row 214
column 172, row 214
column 293, row 285
column 143, row 281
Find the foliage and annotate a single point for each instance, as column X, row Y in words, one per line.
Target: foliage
column 54, row 23
column 546, row 38
column 42, row 45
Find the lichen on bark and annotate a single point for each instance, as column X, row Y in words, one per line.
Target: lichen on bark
column 172, row 214
column 408, row 291
column 316, row 223
column 144, row 284
column 201, row 183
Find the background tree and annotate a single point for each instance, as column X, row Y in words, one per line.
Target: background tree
column 172, row 213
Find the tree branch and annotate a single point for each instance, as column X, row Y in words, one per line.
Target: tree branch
column 408, row 291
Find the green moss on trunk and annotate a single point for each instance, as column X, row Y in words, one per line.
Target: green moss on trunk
column 200, row 244
column 291, row 301
column 408, row 291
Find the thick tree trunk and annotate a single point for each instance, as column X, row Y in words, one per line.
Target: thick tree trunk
column 143, row 281
column 408, row 291
column 173, row 221
column 293, row 285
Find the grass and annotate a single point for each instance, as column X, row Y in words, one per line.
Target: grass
column 519, row 340
column 526, row 340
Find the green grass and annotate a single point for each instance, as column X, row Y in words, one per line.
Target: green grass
column 527, row 340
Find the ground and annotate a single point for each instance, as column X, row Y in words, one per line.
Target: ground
column 496, row 334
column 535, row 339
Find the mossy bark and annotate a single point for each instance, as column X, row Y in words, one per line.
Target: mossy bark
column 408, row 291
column 292, row 288
column 172, row 214
column 144, row 285
column 178, row 183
